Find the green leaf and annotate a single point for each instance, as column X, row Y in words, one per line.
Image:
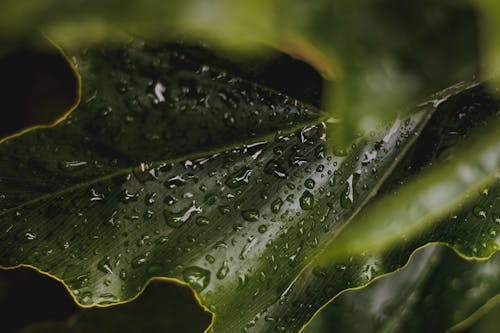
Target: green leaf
column 428, row 198
column 436, row 291
column 171, row 168
column 383, row 55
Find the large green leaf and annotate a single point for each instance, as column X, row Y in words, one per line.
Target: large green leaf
column 175, row 169
column 383, row 54
column 436, row 291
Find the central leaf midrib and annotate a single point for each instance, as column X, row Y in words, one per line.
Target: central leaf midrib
column 264, row 138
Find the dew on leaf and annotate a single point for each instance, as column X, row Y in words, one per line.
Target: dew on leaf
column 276, row 205
column 177, row 219
column 25, row 235
column 262, row 228
column 123, row 274
column 309, row 183
column 138, row 261
column 144, row 173
column 202, row 220
column 479, row 212
column 150, row 198
column 250, row 215
column 224, row 209
column 197, row 277
column 223, row 270
column 210, row 258
column 306, row 200
column 276, row 169
column 107, row 298
column 174, row 182
column 85, row 298
column 72, row 165
column 169, row 200
column 239, row 177
column 348, row 195
column 104, row 266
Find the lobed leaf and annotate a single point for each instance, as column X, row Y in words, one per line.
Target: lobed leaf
column 170, row 168
column 383, row 55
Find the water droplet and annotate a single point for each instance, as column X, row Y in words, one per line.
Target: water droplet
column 239, row 177
column 210, row 258
column 306, row 200
column 144, row 172
column 275, row 168
column 224, row 209
column 349, row 195
column 202, row 220
column 479, row 212
column 104, row 266
column 197, row 277
column 295, row 160
column 72, row 165
column 86, row 298
column 223, row 270
column 107, row 298
column 309, row 183
column 177, row 219
column 368, row 157
column 176, row 181
column 25, row 236
column 150, row 198
column 138, row 261
column 159, row 90
column 79, row 282
column 127, row 197
column 276, row 205
column 169, row 200
column 250, row 215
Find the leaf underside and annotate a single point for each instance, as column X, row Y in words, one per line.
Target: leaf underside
column 171, row 168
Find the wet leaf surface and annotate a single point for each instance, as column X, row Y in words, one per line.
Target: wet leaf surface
column 383, row 55
column 174, row 168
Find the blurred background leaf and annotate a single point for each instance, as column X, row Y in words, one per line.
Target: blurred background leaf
column 436, row 291
column 382, row 55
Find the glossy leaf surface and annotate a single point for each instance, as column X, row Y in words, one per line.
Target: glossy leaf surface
column 172, row 168
column 435, row 292
column 383, row 55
